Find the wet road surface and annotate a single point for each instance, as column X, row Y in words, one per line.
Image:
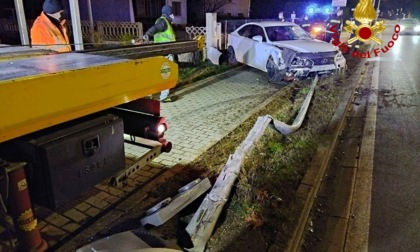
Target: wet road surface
column 395, row 205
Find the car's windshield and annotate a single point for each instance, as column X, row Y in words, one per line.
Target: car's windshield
column 408, row 21
column 281, row 33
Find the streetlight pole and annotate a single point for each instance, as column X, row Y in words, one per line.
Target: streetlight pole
column 23, row 28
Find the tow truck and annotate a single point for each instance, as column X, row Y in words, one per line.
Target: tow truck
column 65, row 119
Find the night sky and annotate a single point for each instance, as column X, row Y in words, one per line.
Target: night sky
column 259, row 8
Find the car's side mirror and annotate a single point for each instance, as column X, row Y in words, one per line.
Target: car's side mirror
column 258, row 38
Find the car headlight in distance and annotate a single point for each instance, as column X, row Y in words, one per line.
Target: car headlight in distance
column 402, row 27
column 317, row 29
column 417, row 28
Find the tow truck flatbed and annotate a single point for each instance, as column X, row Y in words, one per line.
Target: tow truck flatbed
column 43, row 91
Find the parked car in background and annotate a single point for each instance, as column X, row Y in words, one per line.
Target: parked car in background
column 409, row 26
column 283, row 50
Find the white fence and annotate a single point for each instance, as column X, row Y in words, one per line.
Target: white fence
column 107, row 31
column 227, row 26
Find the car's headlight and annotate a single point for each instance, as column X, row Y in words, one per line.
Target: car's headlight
column 297, row 61
column 417, row 28
column 402, row 27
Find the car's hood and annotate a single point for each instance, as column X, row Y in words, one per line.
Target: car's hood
column 306, row 45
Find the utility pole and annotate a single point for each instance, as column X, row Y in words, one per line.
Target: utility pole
column 23, row 28
column 75, row 21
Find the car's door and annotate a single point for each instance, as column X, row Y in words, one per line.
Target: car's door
column 251, row 46
column 243, row 44
column 261, row 49
column 255, row 54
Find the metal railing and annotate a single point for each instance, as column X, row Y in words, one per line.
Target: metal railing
column 106, row 31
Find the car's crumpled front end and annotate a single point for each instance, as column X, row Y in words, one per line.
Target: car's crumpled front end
column 303, row 64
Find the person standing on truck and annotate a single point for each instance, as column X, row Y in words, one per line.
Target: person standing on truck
column 163, row 32
column 49, row 30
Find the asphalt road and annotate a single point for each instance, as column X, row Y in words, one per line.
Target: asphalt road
column 370, row 200
column 395, row 204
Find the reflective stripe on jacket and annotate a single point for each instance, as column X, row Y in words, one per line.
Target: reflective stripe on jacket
column 46, row 35
column 335, row 21
column 166, row 36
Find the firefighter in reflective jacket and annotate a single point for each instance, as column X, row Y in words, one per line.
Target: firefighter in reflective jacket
column 163, row 32
column 305, row 23
column 334, row 21
column 49, row 29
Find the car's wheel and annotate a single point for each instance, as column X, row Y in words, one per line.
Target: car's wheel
column 231, row 56
column 274, row 74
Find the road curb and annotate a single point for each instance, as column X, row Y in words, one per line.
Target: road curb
column 309, row 186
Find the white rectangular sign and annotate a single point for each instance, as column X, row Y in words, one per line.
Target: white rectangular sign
column 339, row 3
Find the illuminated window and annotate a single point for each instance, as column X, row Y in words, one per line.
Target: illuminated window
column 176, row 8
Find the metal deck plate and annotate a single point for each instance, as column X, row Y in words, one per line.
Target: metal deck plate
column 49, row 64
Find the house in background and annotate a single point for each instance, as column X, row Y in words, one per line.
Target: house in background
column 179, row 8
column 145, row 11
column 236, row 8
column 226, row 9
column 110, row 10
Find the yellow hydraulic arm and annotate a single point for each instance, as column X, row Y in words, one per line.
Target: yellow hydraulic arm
column 42, row 91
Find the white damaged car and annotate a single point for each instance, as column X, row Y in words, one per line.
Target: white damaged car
column 283, row 50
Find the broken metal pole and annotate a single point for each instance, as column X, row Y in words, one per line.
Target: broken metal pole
column 204, row 220
column 286, row 129
column 179, row 202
